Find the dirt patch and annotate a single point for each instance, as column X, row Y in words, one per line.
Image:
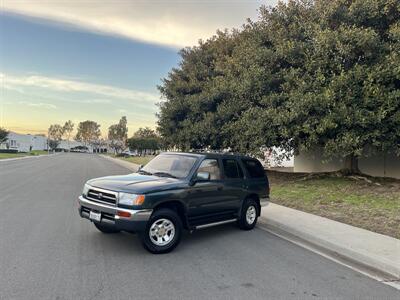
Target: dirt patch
column 367, row 202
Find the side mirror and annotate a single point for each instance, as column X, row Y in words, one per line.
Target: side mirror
column 140, row 167
column 203, row 176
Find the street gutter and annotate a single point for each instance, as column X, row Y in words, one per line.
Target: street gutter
column 372, row 253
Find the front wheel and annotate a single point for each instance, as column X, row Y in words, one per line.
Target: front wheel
column 249, row 215
column 163, row 231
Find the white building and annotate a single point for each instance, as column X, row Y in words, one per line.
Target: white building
column 68, row 145
column 24, row 142
column 277, row 158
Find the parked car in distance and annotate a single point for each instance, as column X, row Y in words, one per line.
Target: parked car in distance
column 176, row 192
column 80, row 149
column 128, row 153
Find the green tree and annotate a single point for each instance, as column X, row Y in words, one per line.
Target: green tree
column 118, row 134
column 145, row 132
column 3, row 135
column 88, row 132
column 144, row 139
column 308, row 75
column 54, row 135
column 67, row 129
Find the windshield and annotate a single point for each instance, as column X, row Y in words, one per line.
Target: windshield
column 177, row 166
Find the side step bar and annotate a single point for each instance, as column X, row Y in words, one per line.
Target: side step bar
column 214, row 224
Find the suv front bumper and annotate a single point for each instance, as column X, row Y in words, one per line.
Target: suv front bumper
column 109, row 215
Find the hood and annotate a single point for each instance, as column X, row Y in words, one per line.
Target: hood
column 136, row 183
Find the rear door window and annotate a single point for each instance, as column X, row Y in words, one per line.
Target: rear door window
column 232, row 169
column 254, row 168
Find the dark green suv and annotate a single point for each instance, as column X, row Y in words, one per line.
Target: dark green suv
column 177, row 191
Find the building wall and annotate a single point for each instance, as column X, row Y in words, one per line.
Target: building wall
column 20, row 142
column 38, row 142
column 379, row 165
column 313, row 162
column 24, row 142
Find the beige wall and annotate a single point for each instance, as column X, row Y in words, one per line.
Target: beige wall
column 378, row 165
column 312, row 162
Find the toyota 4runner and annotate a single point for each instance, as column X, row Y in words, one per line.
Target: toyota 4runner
column 177, row 191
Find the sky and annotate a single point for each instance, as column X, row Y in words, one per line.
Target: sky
column 98, row 60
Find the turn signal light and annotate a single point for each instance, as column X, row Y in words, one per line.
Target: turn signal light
column 139, row 200
column 124, row 214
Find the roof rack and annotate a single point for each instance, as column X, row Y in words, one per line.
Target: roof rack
column 213, row 151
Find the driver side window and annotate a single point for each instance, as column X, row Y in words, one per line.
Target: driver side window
column 211, row 166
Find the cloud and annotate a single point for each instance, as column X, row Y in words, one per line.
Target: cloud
column 17, row 82
column 176, row 23
column 96, row 101
column 40, row 104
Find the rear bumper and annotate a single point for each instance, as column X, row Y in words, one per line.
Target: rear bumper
column 264, row 201
column 109, row 215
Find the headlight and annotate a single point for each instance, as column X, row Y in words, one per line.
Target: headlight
column 130, row 199
column 85, row 189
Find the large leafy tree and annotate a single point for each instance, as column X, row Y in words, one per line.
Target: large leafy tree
column 88, row 132
column 118, row 134
column 307, row 75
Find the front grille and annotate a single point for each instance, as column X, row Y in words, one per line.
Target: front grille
column 102, row 196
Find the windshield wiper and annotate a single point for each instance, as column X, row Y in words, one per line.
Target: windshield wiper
column 144, row 172
column 164, row 174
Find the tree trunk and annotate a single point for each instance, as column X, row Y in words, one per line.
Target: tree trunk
column 351, row 164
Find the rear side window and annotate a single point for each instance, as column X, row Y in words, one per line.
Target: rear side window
column 254, row 168
column 232, row 169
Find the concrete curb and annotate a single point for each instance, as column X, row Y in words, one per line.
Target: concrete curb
column 126, row 164
column 371, row 251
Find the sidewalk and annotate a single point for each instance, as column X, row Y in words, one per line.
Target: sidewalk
column 126, row 164
column 371, row 250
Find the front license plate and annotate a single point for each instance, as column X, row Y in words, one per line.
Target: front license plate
column 95, row 216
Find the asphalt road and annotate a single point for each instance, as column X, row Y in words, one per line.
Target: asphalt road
column 48, row 252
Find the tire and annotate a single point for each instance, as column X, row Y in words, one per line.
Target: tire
column 168, row 225
column 249, row 215
column 105, row 228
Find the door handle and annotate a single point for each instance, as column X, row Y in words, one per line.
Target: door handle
column 219, row 188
